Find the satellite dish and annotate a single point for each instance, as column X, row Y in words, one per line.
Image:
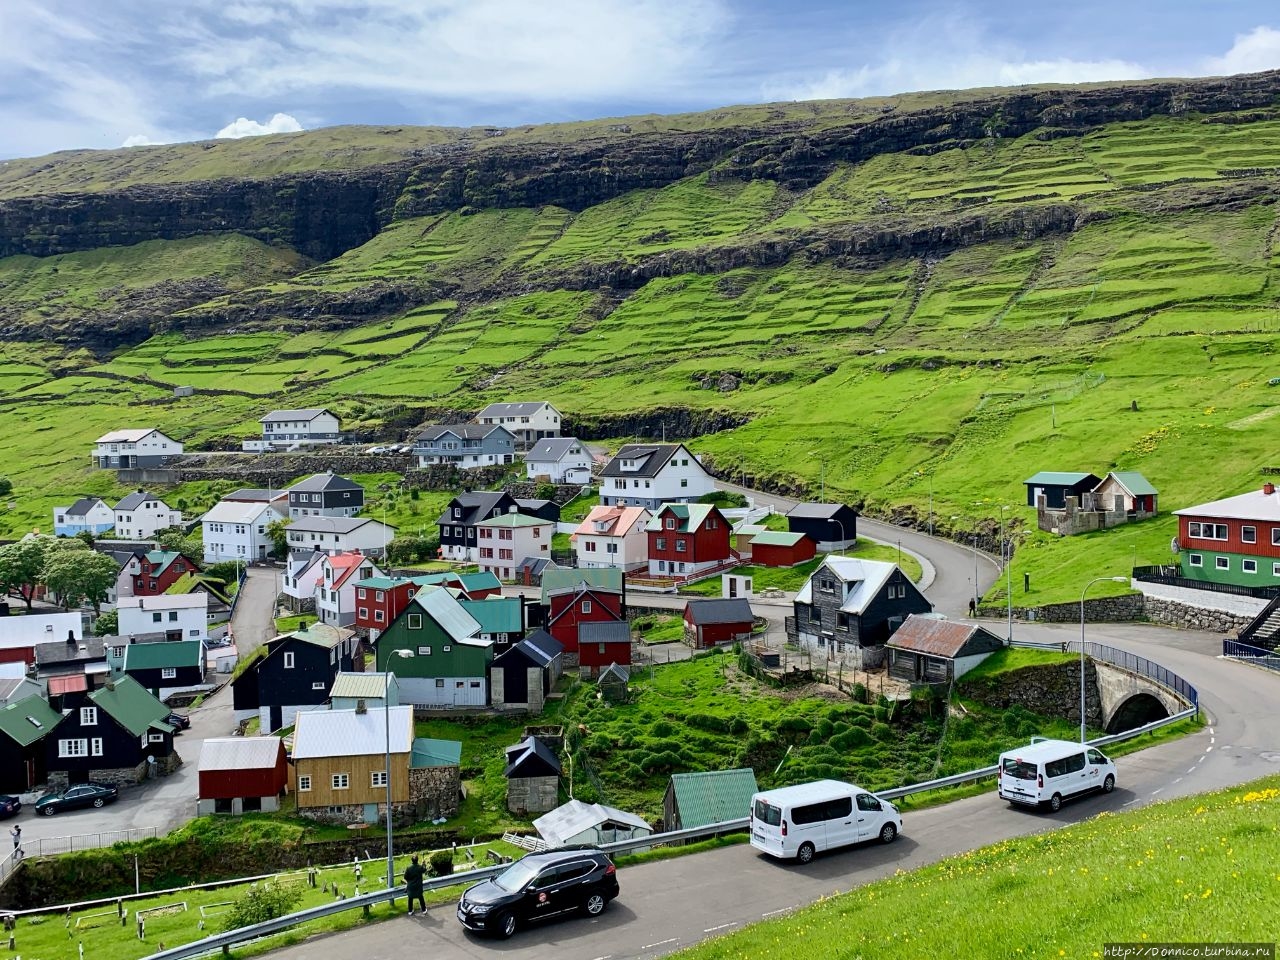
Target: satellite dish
column 1174, row 546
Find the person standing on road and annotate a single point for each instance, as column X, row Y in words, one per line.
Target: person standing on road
column 413, row 885
column 16, row 833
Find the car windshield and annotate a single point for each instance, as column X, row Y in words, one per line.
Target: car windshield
column 1019, row 769
column 516, row 876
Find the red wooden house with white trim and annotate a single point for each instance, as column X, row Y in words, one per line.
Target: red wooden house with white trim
column 570, row 607
column 688, row 538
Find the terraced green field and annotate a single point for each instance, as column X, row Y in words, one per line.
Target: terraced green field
column 1143, row 338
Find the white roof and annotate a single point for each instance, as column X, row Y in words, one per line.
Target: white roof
column 338, row 525
column 127, row 436
column 165, row 601
column 1045, row 749
column 35, row 628
column 236, row 511
column 809, row 792
column 239, row 753
column 306, row 414
column 566, row 822
column 866, row 576
column 1254, row 505
column 345, row 733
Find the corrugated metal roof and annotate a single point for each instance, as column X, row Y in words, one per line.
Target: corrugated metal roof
column 363, row 686
column 131, row 706
column 565, row 822
column 689, row 516
column 435, row 753
column 1056, row 478
column 28, row 720
column 707, row 612
column 346, row 733
column 1254, row 505
column 713, row 796
column 776, row 538
column 529, row 754
column 73, row 683
column 865, row 578
column 815, row 511
column 172, row 653
column 568, row 578
column 240, row 753
column 1134, row 482
column 496, row 614
column 943, row 638
column 605, row 631
column 324, row 481
column 132, row 435
column 236, row 511
column 514, row 408
column 309, row 413
column 445, row 609
column 514, row 520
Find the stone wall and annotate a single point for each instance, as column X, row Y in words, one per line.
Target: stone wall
column 434, row 792
column 527, row 795
column 1052, row 691
column 1174, row 614
column 120, row 776
column 1099, row 610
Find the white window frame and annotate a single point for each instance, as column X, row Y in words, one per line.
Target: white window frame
column 75, row 747
column 95, row 747
column 1248, row 534
column 155, row 738
column 340, row 781
column 88, row 716
column 1248, row 566
column 288, row 659
column 1222, row 563
column 424, row 652
column 414, row 621
column 168, row 673
column 1195, row 560
column 304, row 783
column 586, row 606
column 378, row 778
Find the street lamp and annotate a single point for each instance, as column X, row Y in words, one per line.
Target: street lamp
column 919, row 473
column 386, row 715
column 1008, row 566
column 841, row 526
column 1082, row 593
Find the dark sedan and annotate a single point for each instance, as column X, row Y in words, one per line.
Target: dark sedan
column 91, row 794
column 540, row 886
column 9, row 805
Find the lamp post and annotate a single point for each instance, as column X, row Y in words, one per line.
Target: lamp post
column 841, row 526
column 1082, row 593
column 386, row 715
column 1008, row 567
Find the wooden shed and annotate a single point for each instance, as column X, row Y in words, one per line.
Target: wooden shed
column 776, row 548
column 932, row 650
column 533, row 777
column 708, row 622
column 711, row 796
column 613, row 683
column 241, row 775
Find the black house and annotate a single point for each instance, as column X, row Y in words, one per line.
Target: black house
column 325, row 495
column 23, row 727
column 458, row 522
column 1056, row 487
column 524, row 674
column 168, row 664
column 294, row 672
column 832, row 526
column 542, row 509
column 117, row 734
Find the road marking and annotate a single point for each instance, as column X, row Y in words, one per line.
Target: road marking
column 1213, row 739
column 1154, row 792
column 774, row 912
column 721, row 927
column 1192, row 769
column 605, row 957
column 1211, row 731
column 1127, row 802
column 1179, row 780
column 650, row 946
column 1207, row 751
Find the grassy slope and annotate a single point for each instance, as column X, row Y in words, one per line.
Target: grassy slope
column 968, row 371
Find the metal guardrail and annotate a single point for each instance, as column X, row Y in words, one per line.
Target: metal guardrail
column 1259, row 656
column 51, row 846
column 1125, row 661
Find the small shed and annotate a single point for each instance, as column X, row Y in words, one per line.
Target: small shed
column 613, row 683
column 524, row 674
column 375, row 689
column 1134, row 490
column 241, row 774
column 832, row 526
column 712, row 796
column 775, row 548
column 744, row 535
column 592, row 824
column 709, row 622
column 1056, row 486
column 932, row 650
column 601, row 643
column 533, row 777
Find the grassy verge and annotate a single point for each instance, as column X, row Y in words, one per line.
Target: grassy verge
column 1174, row 872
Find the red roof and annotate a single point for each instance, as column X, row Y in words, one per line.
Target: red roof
column 74, row 683
column 344, row 565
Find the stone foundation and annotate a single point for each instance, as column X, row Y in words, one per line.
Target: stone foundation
column 1174, row 614
column 434, row 792
column 527, row 795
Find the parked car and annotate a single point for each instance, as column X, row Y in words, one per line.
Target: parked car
column 540, row 886
column 9, row 805
column 179, row 721
column 379, row 449
column 91, row 794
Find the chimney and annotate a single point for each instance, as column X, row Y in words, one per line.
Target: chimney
column 1268, row 488
column 71, row 637
column 361, row 708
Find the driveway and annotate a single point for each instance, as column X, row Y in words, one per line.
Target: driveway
column 254, row 621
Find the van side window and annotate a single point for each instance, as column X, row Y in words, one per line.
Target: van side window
column 867, row 802
column 836, row 809
column 1095, row 756
column 1075, row 763
column 809, row 813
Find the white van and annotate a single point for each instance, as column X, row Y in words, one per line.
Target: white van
column 803, row 820
column 1049, row 771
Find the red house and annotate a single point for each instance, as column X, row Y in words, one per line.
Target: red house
column 773, row 548
column 571, row 607
column 687, row 539
column 379, row 601
column 600, row 644
column 241, row 774
column 708, row 622
column 157, row 570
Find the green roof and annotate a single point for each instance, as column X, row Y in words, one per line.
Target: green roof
column 776, row 538
column 713, row 796
column 131, row 706
column 434, row 753
column 496, row 614
column 603, row 578
column 691, row 515
column 386, row 583
column 190, row 582
column 1135, row 483
column 161, row 559
column 487, row 580
column 1055, row 479
column 170, row 653
column 16, row 720
column 514, row 520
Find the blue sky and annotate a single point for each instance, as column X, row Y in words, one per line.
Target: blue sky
column 105, row 73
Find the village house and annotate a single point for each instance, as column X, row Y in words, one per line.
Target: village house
column 558, row 460
column 379, row 600
column 533, row 777
column 465, row 446
column 1055, row 486
column 85, row 658
column 325, row 495
column 335, row 601
column 613, row 537
column 301, row 578
column 434, row 649
column 139, row 515
column 19, row 636
column 928, row 649
column 87, row 515
column 1122, row 496
column 374, row 688
column 569, row 607
column 132, row 449
column 651, row 474
column 501, row 619
column 294, row 672
column 527, row 422
column 238, row 530
column 832, row 526
column 503, row 541
column 340, row 535
column 458, row 538
column 776, row 548
column 155, row 571
column 24, row 724
column 290, row 429
column 688, row 539
column 181, row 617
column 1235, row 540
column 215, row 588
column 603, row 643
column 241, row 775
column 710, row 622
column 523, row 675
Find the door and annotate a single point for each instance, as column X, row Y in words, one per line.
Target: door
column 870, row 816
column 541, row 897
column 808, row 825
column 842, row 827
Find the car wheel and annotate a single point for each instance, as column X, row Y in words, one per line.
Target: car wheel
column 805, row 853
column 595, row 904
column 506, row 925
column 1108, row 784
column 1055, row 802
column 887, row 833
column 49, row 811
column 98, row 801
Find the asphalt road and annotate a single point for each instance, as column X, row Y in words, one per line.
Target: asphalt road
column 668, row 905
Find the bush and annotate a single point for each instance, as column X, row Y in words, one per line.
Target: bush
column 263, row 902
column 107, row 624
column 441, row 863
column 6, row 486
column 852, row 738
column 793, row 725
column 858, row 693
column 882, row 732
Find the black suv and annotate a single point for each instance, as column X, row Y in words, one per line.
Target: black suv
column 538, row 886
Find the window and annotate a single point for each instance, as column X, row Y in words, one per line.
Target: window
column 586, row 606
column 1222, row 563
column 601, row 647
column 360, row 595
column 1275, row 536
column 681, row 546
column 415, row 621
column 288, row 659
column 304, row 783
column 362, row 613
column 88, row 716
column 537, row 533
column 1249, row 534
column 446, row 648
column 590, row 546
column 318, row 685
column 475, row 684
column 72, row 748
column 1195, row 560
column 156, row 738
column 439, row 681
column 868, row 802
column 424, row 651
column 95, row 747
column 173, row 616
column 684, row 481
column 661, row 543
column 378, row 778
column 1275, row 569
column 168, row 673
column 671, row 523
column 1207, row 531
column 379, row 596
column 1248, row 566
column 378, row 616
column 340, row 781
column 155, row 617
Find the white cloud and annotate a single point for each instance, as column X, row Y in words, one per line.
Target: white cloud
column 244, row 127
column 1252, row 52
column 140, row 140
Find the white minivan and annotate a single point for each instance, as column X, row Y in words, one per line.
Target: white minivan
column 800, row 821
column 1049, row 771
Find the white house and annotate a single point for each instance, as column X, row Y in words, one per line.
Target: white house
column 651, row 474
column 140, row 515
column 559, row 460
column 613, row 537
column 89, row 514
column 336, row 586
column 237, row 530
column 505, row 540
column 286, row 429
column 341, row 534
column 19, row 636
column 528, row 422
column 181, row 616
column 126, row 449
column 302, row 572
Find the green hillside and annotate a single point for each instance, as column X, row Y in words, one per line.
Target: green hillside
column 954, row 320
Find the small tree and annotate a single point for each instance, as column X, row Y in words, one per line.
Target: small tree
column 21, row 566
column 441, row 863
column 107, row 624
column 76, row 574
column 277, row 531
column 263, row 902
column 6, row 486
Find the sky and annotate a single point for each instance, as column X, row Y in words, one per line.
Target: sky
column 94, row 74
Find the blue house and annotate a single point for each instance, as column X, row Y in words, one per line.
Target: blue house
column 465, row 446
column 88, row 514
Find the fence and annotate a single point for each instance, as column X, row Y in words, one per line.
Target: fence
column 1236, row 650
column 51, row 846
column 1161, row 575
